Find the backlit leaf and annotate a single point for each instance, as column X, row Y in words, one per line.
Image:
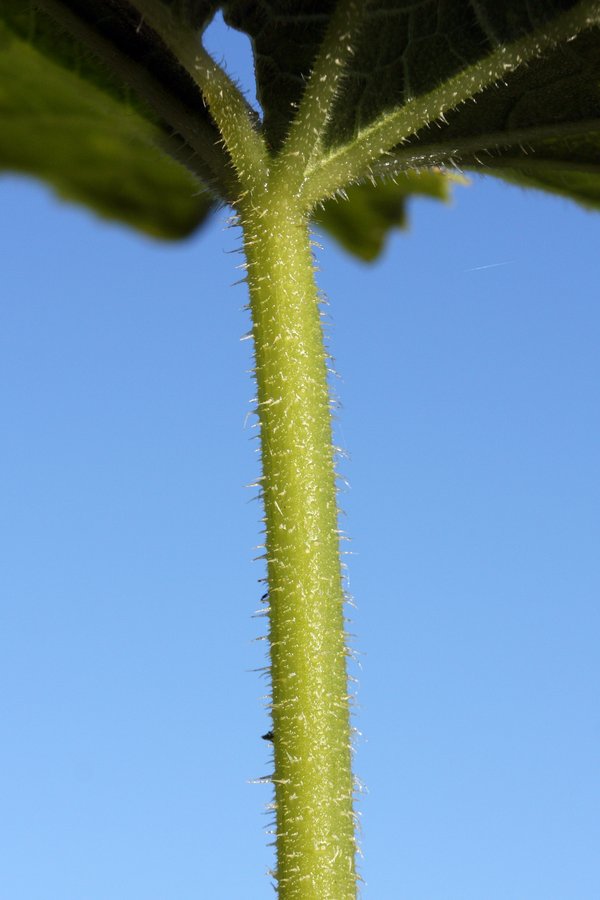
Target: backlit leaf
column 66, row 120
column 363, row 218
column 73, row 118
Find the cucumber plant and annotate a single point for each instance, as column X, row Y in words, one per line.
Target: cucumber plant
column 118, row 105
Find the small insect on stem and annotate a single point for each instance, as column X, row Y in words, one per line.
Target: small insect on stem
column 268, row 736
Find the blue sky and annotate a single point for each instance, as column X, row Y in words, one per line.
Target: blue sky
column 131, row 719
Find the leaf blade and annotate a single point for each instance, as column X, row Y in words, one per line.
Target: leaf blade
column 407, row 49
column 362, row 219
column 65, row 121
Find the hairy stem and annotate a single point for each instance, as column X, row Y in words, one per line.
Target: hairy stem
column 308, row 128
column 310, row 707
column 466, row 150
column 228, row 106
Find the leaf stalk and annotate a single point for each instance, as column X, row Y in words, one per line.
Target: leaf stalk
column 232, row 113
column 304, row 141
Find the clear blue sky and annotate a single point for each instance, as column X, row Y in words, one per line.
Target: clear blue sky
column 130, row 719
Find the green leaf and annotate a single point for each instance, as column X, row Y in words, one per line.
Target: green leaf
column 575, row 183
column 362, row 218
column 540, row 129
column 541, row 126
column 405, row 49
column 100, row 104
column 66, row 120
column 195, row 13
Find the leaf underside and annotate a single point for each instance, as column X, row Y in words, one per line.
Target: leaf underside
column 65, row 120
column 540, row 128
column 362, row 219
column 70, row 120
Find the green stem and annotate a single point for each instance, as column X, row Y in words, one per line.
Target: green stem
column 308, row 128
column 465, row 150
column 228, row 106
column 310, row 709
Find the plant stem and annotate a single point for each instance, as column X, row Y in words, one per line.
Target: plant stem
column 232, row 114
column 308, row 127
column 465, row 150
column 310, row 709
